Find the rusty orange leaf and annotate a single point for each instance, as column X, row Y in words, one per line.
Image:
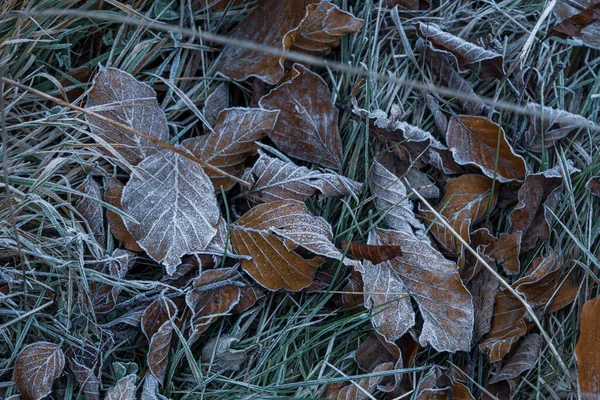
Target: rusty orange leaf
column 587, row 351
column 36, row 368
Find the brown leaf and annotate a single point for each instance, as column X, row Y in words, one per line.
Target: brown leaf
column 214, row 293
column 91, row 209
column 467, row 55
column 118, row 95
column 156, row 314
column 307, row 126
column 123, row 390
column 465, row 202
column 72, row 82
column 323, row 26
column 433, row 282
column 375, row 351
column 217, row 101
column 103, row 295
column 593, row 185
column 172, row 199
column 258, row 27
column 538, row 194
column 158, row 353
column 434, row 385
column 504, row 250
column 86, row 378
column 36, row 368
column 483, row 288
column 273, row 180
column 352, row 392
column 555, row 125
column 221, row 4
column 270, row 232
column 482, row 143
column 218, row 353
column 352, row 295
column 113, row 189
column 249, row 295
column 576, row 22
column 587, row 351
column 234, row 139
column 373, row 253
column 525, row 358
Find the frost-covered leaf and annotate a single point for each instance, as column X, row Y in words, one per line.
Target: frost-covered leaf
column 273, row 180
column 213, row 294
column 483, row 288
column 482, row 143
column 86, row 378
column 113, row 190
column 158, row 353
column 370, row 252
column 307, row 127
column 104, row 295
column 593, row 185
column 91, row 210
column 172, row 200
column 123, row 390
column 36, row 368
column 118, row 95
column 150, row 390
column 156, row 314
column 435, row 284
column 352, row 392
column 249, row 295
column 234, row 139
column 465, row 202
column 587, row 351
column 216, row 101
column 504, row 250
column 218, row 353
column 467, row 55
column 323, row 26
column 582, row 22
column 270, row 232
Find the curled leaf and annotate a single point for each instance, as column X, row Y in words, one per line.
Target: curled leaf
column 91, row 210
column 36, row 368
column 581, row 22
column 158, row 353
column 113, row 190
column 587, row 351
column 375, row 254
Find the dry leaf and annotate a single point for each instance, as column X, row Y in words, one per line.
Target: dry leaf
column 156, row 314
column 538, row 194
column 465, row 202
column 249, row 295
column 593, row 185
column 218, row 353
column 123, row 390
column 587, row 351
column 307, row 127
column 36, row 368
column 270, row 232
column 158, row 353
column 258, row 27
column 467, row 55
column 91, row 210
column 214, row 293
column 234, row 139
column 150, row 390
column 216, row 101
column 525, row 358
column 555, row 124
column 375, row 351
column 483, row 288
column 582, row 22
column 434, row 283
column 273, row 180
column 113, row 190
column 172, row 199
column 322, row 28
column 352, row 392
column 118, row 95
column 103, row 295
column 482, row 143
column 86, row 378
column 352, row 293
column 375, row 254
column 504, row 250
column 221, row 4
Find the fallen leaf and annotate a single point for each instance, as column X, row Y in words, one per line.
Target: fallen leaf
column 555, row 125
column 323, row 26
column 113, row 190
column 249, row 295
column 273, row 180
column 434, row 283
column 307, row 126
column 218, row 353
column 525, row 358
column 482, row 143
column 352, row 293
column 221, row 4
column 270, row 232
column 37, row 366
column 73, row 82
column 217, row 101
column 172, row 199
column 240, row 64
column 234, row 140
column 150, row 390
column 91, row 210
column 158, row 353
column 538, row 194
column 434, row 385
column 86, row 378
column 465, row 202
column 587, row 351
column 468, row 56
column 375, row 254
column 593, row 185
column 213, row 294
column 375, row 351
column 352, row 391
column 504, row 250
column 156, row 314
column 104, row 295
column 583, row 22
column 123, row 390
column 118, row 95
column 483, row 288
